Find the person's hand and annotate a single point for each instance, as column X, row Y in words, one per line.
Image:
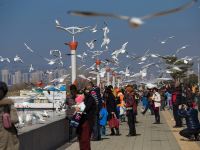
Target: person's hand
column 77, row 109
column 112, row 113
column 184, row 106
column 180, row 106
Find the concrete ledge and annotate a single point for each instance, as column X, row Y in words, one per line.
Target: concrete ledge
column 46, row 136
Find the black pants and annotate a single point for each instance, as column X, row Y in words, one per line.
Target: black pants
column 188, row 133
column 177, row 118
column 157, row 114
column 96, row 134
column 131, row 122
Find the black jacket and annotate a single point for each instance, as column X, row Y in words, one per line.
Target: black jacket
column 111, row 105
column 191, row 116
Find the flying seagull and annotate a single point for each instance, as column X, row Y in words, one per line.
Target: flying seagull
column 31, row 68
column 4, row 59
column 91, row 44
column 28, row 48
column 135, row 21
column 182, row 48
column 18, row 59
column 94, row 29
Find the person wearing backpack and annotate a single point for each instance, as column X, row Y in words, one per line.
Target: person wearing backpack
column 8, row 116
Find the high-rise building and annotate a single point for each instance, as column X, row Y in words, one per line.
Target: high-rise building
column 25, row 77
column 36, row 76
column 13, row 80
column 5, row 75
column 18, row 77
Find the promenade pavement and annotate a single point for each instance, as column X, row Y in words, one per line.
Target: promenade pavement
column 150, row 137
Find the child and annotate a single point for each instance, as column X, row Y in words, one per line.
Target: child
column 103, row 114
column 80, row 107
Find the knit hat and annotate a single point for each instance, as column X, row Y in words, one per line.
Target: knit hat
column 3, row 90
column 79, row 98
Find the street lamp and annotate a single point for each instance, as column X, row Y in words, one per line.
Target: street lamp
column 72, row 45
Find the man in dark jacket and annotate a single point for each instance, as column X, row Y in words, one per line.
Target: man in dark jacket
column 95, row 92
column 193, row 126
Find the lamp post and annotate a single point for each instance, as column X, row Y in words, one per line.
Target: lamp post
column 113, row 79
column 72, row 45
column 108, row 75
column 98, row 62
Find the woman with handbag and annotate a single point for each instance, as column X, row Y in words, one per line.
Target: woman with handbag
column 111, row 106
column 8, row 116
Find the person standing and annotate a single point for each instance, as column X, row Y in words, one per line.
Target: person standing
column 131, row 108
column 8, row 136
column 95, row 92
column 111, row 106
column 103, row 114
column 176, row 101
column 157, row 103
column 87, row 121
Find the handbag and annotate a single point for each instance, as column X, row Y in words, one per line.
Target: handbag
column 113, row 122
column 6, row 120
column 9, row 116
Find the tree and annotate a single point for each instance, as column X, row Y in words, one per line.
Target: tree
column 173, row 63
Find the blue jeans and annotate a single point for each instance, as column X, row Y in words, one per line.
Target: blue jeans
column 103, row 130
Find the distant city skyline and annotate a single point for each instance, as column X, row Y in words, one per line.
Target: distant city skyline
column 18, row 77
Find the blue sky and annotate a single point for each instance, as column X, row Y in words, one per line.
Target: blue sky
column 32, row 21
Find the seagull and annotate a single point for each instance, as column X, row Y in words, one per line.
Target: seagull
column 164, row 41
column 82, row 56
column 57, row 22
column 96, row 53
column 31, row 68
column 61, row 79
column 83, row 77
column 183, row 47
column 122, row 50
column 51, row 61
column 18, row 59
column 154, row 55
column 49, row 72
column 135, row 21
column 81, row 67
column 28, row 48
column 56, row 53
column 91, row 44
column 94, row 29
column 106, row 40
column 4, row 59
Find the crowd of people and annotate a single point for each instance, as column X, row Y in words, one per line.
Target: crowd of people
column 91, row 109
column 111, row 105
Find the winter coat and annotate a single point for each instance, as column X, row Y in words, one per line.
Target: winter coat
column 191, row 116
column 157, row 99
column 131, row 102
column 89, row 112
column 111, row 105
column 103, row 114
column 8, row 137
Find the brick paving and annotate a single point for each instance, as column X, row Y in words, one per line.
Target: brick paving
column 150, row 137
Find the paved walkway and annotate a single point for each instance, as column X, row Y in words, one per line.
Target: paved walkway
column 151, row 137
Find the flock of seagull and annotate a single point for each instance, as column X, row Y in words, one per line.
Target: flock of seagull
column 116, row 60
